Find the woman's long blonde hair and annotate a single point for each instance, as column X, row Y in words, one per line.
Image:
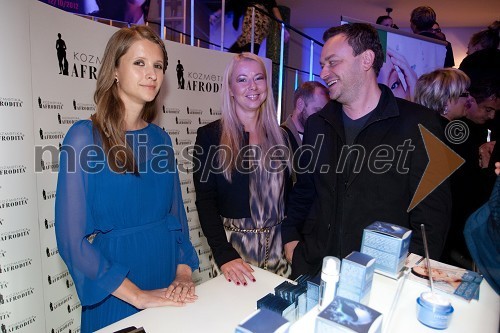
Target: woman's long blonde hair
column 232, row 137
column 110, row 110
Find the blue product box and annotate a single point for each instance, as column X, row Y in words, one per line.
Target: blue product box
column 312, row 292
column 388, row 244
column 356, row 277
column 263, row 321
column 345, row 315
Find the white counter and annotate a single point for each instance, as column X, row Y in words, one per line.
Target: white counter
column 474, row 316
column 222, row 305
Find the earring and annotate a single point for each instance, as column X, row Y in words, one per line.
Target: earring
column 445, row 111
column 116, row 80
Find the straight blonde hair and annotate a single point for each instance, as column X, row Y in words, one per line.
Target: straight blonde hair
column 232, row 137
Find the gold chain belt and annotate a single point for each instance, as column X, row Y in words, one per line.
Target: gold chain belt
column 266, row 231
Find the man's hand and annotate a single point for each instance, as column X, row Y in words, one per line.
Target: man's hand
column 289, row 248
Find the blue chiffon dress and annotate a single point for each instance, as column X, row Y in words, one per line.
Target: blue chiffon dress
column 110, row 226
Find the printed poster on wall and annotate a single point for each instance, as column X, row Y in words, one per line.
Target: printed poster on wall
column 66, row 52
column 21, row 289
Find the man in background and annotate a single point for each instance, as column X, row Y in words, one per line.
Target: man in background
column 422, row 21
column 308, row 99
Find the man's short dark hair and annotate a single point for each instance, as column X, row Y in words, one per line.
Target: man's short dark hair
column 423, row 18
column 382, row 18
column 361, row 37
column 306, row 91
column 485, row 79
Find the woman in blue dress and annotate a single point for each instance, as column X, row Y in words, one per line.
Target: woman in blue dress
column 121, row 227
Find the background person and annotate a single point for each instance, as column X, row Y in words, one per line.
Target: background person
column 308, row 99
column 484, row 39
column 422, row 20
column 387, row 21
column 120, row 225
column 262, row 22
column 240, row 191
column 482, row 235
column 445, row 91
column 130, row 11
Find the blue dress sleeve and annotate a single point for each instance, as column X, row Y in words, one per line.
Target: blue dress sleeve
column 187, row 253
column 94, row 275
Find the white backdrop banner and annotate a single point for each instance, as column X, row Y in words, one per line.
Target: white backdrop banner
column 66, row 53
column 21, row 291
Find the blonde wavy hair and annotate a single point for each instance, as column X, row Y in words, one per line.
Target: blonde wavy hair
column 232, row 137
column 436, row 88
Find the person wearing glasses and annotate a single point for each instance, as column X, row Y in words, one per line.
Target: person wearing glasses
column 473, row 181
column 436, row 29
column 422, row 20
column 444, row 91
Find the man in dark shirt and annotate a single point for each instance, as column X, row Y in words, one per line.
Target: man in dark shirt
column 368, row 164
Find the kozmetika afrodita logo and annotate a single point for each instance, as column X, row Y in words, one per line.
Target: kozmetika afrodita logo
column 51, row 252
column 78, row 106
column 202, row 121
column 12, row 170
column 170, row 110
column 62, row 120
column 48, row 195
column 57, row 277
column 14, row 235
column 21, row 325
column 14, row 266
column 183, row 121
column 10, row 103
column 60, row 302
column 53, row 135
column 73, row 62
column 63, row 327
column 18, row 295
column 172, row 131
column 11, row 136
column 193, row 111
column 49, row 105
column 45, row 165
column 214, row 112
column 197, row 81
column 13, row 202
column 48, row 224
column 5, row 315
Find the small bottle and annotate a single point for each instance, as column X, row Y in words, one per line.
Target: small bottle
column 329, row 278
